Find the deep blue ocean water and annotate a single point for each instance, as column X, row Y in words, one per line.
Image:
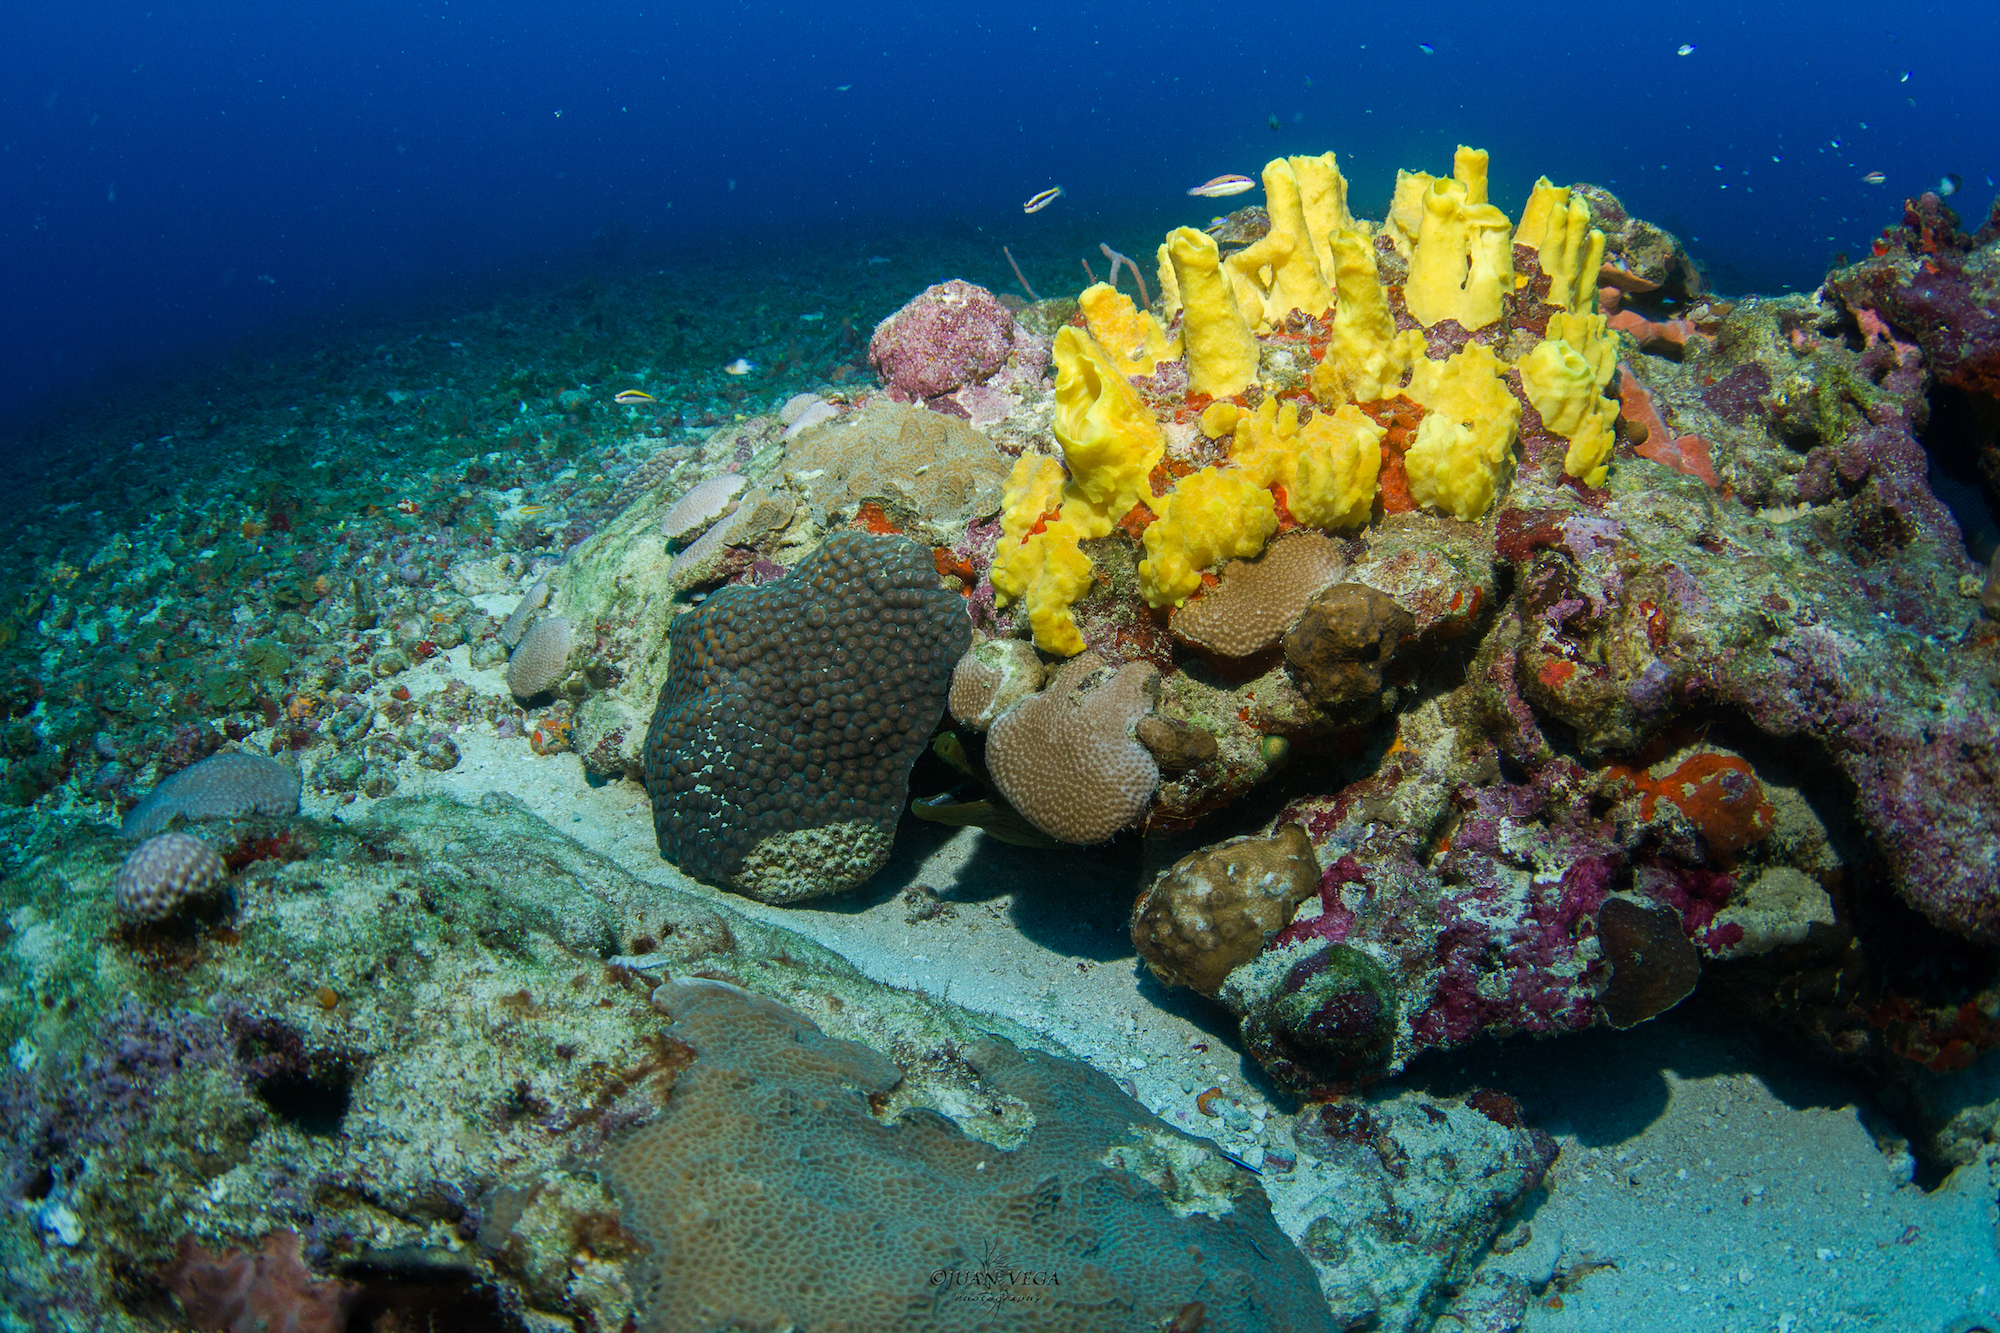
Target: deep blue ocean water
column 176, row 178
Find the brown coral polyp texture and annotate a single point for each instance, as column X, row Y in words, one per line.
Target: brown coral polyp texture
column 1067, row 758
column 780, row 752
column 1210, row 913
column 162, row 873
column 770, row 1197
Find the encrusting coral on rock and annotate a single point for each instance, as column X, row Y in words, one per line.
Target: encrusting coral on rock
column 221, row 786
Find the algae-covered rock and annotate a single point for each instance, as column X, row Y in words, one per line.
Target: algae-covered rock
column 410, row 1031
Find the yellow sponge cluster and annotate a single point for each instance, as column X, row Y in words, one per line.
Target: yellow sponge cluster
column 1556, row 226
column 1132, row 339
column 1460, row 247
column 1467, row 436
column 1280, row 272
column 1565, row 376
column 1327, row 467
column 1221, row 349
column 1315, row 258
column 1365, row 358
column 1216, row 514
column 1111, row 444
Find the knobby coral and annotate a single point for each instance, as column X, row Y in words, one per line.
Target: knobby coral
column 163, row 873
column 780, row 751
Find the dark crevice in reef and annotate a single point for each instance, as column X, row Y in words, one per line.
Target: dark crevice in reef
column 308, row 1089
column 431, row 1297
column 1962, row 439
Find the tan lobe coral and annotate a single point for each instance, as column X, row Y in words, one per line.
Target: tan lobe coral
column 1067, row 758
column 1258, row 600
column 992, row 678
column 909, row 457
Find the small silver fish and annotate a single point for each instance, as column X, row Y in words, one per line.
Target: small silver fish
column 1687, row 49
column 1874, row 178
column 740, row 366
column 1037, row 203
column 1223, row 186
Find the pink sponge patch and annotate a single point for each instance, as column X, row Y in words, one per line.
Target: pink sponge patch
column 952, row 335
column 268, row 1290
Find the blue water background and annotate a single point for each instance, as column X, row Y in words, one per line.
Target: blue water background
column 177, row 177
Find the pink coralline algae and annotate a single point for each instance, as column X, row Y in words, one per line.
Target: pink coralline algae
column 952, row 335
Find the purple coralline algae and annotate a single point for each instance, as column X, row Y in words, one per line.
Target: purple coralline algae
column 952, row 335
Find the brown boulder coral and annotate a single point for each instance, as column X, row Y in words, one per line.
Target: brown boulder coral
column 772, row 1197
column 779, row 754
column 1212, row 911
column 1067, row 758
column 1343, row 639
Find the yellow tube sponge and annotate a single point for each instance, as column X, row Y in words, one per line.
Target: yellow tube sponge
column 1365, row 357
column 1109, row 437
column 1406, row 209
column 1170, row 287
column 1327, row 467
column 1221, row 351
column 1467, row 437
column 1332, row 483
column 1323, row 196
column 1046, row 573
column 1556, row 226
column 1462, row 264
column 1590, row 335
column 1033, row 488
column 1130, row 337
column 1566, row 390
column 1279, row 272
column 1216, row 514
